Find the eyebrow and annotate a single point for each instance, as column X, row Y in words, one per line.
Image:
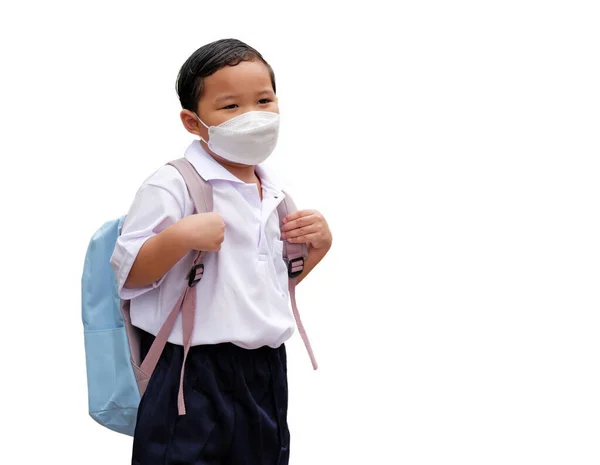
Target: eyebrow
column 223, row 97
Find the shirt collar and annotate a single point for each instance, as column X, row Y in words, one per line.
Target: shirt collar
column 211, row 170
column 266, row 180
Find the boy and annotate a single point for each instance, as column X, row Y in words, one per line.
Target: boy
column 235, row 381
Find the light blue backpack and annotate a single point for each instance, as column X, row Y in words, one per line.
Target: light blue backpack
column 116, row 375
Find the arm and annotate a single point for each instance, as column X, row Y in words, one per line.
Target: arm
column 159, row 230
column 157, row 256
column 308, row 227
column 314, row 257
column 204, row 231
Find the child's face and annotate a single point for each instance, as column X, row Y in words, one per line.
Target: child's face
column 229, row 92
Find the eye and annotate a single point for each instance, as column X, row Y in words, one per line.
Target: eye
column 230, row 107
column 264, row 101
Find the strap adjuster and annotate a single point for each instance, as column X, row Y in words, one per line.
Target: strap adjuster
column 195, row 275
column 295, row 267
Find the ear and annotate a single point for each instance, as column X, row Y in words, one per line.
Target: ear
column 192, row 125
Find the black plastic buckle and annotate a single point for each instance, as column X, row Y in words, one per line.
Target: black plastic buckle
column 292, row 264
column 195, row 275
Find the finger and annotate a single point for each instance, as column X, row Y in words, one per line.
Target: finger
column 304, row 239
column 310, row 229
column 298, row 214
column 300, row 222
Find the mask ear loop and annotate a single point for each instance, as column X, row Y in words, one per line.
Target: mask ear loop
column 202, row 122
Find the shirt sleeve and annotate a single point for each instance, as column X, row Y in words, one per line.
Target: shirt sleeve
column 154, row 209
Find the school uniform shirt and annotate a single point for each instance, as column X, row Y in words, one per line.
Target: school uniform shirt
column 243, row 296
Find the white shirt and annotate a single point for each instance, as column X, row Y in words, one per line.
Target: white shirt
column 243, row 296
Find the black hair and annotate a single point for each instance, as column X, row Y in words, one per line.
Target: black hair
column 209, row 59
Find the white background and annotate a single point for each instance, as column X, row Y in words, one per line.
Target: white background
column 453, row 147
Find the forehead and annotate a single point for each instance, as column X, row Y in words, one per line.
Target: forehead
column 247, row 76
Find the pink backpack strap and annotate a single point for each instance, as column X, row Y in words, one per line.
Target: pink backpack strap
column 294, row 255
column 199, row 189
column 201, row 194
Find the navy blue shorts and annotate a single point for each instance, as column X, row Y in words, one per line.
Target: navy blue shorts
column 236, row 402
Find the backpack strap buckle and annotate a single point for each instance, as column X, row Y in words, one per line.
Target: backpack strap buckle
column 295, row 267
column 195, row 275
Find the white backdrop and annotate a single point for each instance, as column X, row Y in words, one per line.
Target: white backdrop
column 453, row 147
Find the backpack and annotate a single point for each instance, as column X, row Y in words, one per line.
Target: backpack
column 116, row 376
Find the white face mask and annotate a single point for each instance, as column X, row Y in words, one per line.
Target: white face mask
column 248, row 139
